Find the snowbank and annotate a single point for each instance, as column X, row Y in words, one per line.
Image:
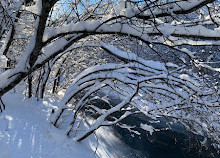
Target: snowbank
column 25, row 132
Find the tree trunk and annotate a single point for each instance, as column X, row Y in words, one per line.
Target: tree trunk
column 30, row 86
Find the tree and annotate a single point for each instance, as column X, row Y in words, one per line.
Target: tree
column 174, row 89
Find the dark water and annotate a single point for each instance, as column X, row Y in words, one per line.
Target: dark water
column 166, row 143
column 175, row 142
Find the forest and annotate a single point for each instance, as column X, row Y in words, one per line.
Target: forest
column 103, row 62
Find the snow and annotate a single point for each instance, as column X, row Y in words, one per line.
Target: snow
column 5, row 41
column 101, row 119
column 7, row 77
column 50, row 49
column 76, row 27
column 124, row 8
column 177, row 6
column 96, row 26
column 23, row 62
column 37, row 8
column 132, row 56
column 147, row 128
column 26, row 132
column 3, row 61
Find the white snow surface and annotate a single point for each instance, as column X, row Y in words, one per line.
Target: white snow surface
column 3, row 61
column 37, row 8
column 25, row 132
column 148, row 128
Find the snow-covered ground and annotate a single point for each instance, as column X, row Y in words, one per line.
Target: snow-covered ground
column 25, row 132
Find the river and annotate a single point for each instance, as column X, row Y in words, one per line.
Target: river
column 172, row 142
